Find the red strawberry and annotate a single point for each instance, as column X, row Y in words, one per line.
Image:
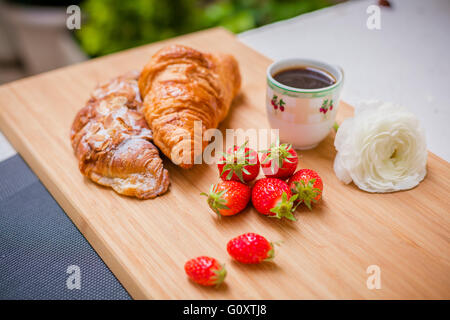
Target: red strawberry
column 206, row 271
column 272, row 197
column 239, row 164
column 228, row 197
column 307, row 185
column 250, row 248
column 280, row 161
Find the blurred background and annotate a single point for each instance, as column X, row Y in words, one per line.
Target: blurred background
column 34, row 37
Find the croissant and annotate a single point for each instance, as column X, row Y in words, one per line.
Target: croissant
column 180, row 86
column 111, row 141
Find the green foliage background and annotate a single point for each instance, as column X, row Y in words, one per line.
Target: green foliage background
column 113, row 25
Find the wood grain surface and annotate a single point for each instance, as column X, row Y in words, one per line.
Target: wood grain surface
column 325, row 254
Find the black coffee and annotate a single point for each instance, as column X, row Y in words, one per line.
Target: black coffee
column 305, row 78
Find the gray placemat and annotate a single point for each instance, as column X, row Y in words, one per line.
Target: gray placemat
column 39, row 243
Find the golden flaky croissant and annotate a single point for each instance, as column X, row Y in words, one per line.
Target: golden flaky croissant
column 111, row 140
column 179, row 86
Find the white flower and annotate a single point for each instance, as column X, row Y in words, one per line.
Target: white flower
column 382, row 149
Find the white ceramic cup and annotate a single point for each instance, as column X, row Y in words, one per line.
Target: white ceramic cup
column 304, row 117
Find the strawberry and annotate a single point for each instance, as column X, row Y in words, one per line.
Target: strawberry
column 239, row 164
column 280, row 161
column 272, row 197
column 250, row 248
column 228, row 197
column 307, row 185
column 206, row 271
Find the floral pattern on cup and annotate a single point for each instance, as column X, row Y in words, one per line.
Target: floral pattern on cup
column 327, row 105
column 277, row 103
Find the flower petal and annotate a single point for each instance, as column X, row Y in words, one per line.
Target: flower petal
column 382, row 149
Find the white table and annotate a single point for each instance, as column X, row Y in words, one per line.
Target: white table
column 407, row 61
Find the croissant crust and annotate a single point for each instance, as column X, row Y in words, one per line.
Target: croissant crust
column 180, row 86
column 112, row 141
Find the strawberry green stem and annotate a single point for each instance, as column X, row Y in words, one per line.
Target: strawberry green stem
column 271, row 252
column 236, row 162
column 306, row 192
column 220, row 275
column 215, row 199
column 284, row 208
column 278, row 153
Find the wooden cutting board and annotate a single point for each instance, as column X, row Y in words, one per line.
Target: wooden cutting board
column 325, row 254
